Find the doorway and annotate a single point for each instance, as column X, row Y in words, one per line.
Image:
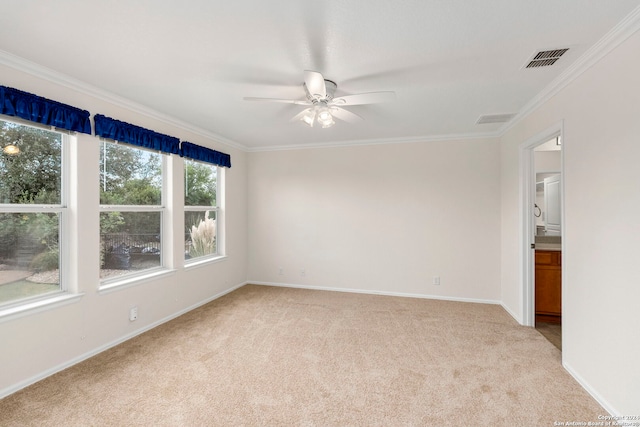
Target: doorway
column 548, row 241
column 542, row 217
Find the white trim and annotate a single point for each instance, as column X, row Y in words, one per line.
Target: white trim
column 67, row 229
column 129, row 280
column 527, row 220
column 374, row 292
column 381, row 141
column 37, row 70
column 18, row 208
column 512, row 314
column 597, row 396
column 10, row 390
column 203, row 261
column 131, row 208
column 45, row 304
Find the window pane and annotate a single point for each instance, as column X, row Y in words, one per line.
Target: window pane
column 129, row 176
column 200, row 236
column 29, row 255
column 30, row 165
column 200, row 184
column 130, row 242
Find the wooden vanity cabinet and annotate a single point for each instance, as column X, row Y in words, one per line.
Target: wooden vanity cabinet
column 548, row 286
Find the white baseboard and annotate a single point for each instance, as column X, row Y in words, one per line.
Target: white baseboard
column 512, row 314
column 597, row 396
column 374, row 292
column 39, row 377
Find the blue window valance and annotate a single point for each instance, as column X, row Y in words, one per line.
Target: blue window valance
column 109, row 128
column 203, row 154
column 34, row 108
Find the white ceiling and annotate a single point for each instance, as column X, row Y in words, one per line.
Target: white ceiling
column 449, row 61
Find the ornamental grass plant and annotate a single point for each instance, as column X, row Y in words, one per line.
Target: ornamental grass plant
column 203, row 237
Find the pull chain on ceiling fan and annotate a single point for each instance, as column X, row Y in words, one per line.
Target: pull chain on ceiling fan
column 323, row 107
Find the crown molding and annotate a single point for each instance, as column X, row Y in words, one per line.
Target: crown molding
column 618, row 34
column 381, row 141
column 21, row 64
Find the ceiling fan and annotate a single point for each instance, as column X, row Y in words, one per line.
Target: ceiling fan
column 323, row 107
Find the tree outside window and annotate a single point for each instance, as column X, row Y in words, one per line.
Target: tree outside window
column 131, row 210
column 31, row 209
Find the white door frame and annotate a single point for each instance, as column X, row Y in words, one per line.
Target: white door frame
column 527, row 218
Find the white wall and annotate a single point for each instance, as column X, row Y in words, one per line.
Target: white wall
column 381, row 218
column 601, row 277
column 38, row 344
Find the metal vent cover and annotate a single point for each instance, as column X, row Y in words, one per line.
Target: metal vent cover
column 545, row 58
column 495, row 118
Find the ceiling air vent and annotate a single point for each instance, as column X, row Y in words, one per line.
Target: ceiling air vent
column 495, row 118
column 546, row 58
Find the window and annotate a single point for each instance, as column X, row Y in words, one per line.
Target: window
column 201, row 210
column 32, row 212
column 131, row 209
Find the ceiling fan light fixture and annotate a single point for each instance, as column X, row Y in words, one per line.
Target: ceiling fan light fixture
column 323, row 108
column 309, row 118
column 328, row 123
column 325, row 118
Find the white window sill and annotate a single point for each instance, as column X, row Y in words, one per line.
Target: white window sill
column 46, row 304
column 202, row 262
column 127, row 282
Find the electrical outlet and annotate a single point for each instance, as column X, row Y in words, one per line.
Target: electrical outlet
column 280, row 271
column 133, row 313
column 436, row 280
column 303, row 272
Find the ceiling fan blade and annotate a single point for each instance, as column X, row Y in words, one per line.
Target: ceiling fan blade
column 315, row 83
column 364, row 98
column 300, row 115
column 285, row 101
column 347, row 116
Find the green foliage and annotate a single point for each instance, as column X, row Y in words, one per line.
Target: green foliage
column 111, row 222
column 133, row 192
column 37, row 231
column 33, row 175
column 43, row 228
column 47, row 260
column 129, row 176
column 203, row 237
column 8, row 234
column 200, row 184
column 118, row 165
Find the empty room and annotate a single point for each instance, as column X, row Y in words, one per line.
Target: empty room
column 319, row 213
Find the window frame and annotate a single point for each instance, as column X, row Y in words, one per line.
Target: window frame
column 219, row 253
column 137, row 276
column 61, row 209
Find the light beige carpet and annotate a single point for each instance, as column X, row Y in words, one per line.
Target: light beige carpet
column 290, row 357
column 552, row 332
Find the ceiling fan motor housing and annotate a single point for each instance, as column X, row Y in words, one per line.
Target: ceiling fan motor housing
column 330, row 88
